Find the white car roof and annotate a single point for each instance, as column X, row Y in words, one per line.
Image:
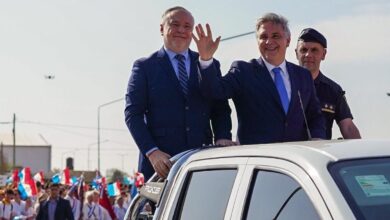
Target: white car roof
column 304, row 152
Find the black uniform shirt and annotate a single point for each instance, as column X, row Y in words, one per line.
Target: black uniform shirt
column 334, row 105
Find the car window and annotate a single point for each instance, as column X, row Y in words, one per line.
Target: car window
column 277, row 196
column 365, row 183
column 207, row 194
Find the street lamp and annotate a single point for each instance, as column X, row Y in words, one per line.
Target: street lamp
column 90, row 145
column 123, row 157
column 98, row 128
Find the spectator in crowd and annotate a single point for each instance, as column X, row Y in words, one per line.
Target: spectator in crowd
column 18, row 203
column 90, row 209
column 126, row 198
column 102, row 212
column 43, row 197
column 74, row 202
column 119, row 209
column 6, row 208
column 28, row 213
column 55, row 207
column 2, row 194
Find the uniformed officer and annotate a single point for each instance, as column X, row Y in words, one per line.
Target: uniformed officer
column 310, row 51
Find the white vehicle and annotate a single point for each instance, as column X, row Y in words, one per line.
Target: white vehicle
column 344, row 180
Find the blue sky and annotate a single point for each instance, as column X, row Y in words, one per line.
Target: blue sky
column 90, row 46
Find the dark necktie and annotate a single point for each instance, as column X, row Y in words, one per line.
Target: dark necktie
column 182, row 75
column 281, row 88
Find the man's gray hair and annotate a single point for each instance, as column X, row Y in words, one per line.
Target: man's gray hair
column 275, row 19
column 170, row 10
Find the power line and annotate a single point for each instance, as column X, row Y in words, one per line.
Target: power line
column 68, row 125
column 60, row 127
column 72, row 132
column 237, row 36
column 81, row 149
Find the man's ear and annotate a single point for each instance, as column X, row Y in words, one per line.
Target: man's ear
column 288, row 41
column 324, row 54
column 162, row 29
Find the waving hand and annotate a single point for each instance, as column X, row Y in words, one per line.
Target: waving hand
column 205, row 43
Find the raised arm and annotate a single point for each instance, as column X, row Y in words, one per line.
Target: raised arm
column 205, row 43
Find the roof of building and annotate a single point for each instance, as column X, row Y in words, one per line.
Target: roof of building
column 23, row 139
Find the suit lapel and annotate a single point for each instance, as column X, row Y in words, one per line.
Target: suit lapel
column 294, row 87
column 45, row 207
column 266, row 81
column 193, row 81
column 166, row 64
column 58, row 207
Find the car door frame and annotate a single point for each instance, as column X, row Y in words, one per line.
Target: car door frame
column 238, row 163
column 281, row 166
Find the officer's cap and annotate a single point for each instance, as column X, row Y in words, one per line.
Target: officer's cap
column 311, row 35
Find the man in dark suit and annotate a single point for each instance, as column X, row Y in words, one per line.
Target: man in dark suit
column 165, row 111
column 55, row 207
column 272, row 96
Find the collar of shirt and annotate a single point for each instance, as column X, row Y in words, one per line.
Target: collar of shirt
column 175, row 62
column 53, row 199
column 319, row 79
column 285, row 76
column 172, row 54
column 282, row 66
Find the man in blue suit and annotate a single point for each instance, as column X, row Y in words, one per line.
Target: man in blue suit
column 165, row 110
column 273, row 97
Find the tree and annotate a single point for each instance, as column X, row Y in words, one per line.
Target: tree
column 114, row 175
column 4, row 166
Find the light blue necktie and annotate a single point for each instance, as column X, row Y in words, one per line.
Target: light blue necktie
column 182, row 75
column 281, row 88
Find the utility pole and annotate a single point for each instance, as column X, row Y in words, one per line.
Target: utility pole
column 1, row 159
column 98, row 126
column 14, row 142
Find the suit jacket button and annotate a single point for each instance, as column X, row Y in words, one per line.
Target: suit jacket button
column 187, row 128
column 187, row 107
column 285, row 124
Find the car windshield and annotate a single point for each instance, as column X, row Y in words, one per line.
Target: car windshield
column 365, row 185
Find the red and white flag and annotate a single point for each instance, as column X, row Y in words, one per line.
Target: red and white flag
column 38, row 177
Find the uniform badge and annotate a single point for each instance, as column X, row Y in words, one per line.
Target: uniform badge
column 330, row 108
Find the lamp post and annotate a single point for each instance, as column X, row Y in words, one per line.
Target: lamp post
column 123, row 157
column 98, row 127
column 14, row 143
column 90, row 145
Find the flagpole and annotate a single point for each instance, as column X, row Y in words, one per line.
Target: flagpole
column 14, row 142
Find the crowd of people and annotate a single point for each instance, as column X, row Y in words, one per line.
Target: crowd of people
column 55, row 201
